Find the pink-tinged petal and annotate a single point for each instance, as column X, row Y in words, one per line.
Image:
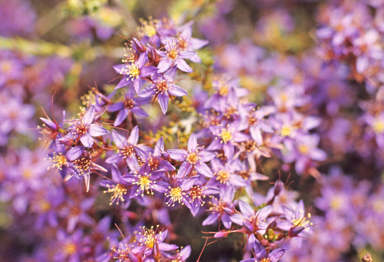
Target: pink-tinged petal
column 185, row 252
column 203, row 169
column 226, row 221
column 177, row 91
column 87, row 181
column 115, row 107
column 137, row 83
column 48, row 123
column 139, row 111
column 163, row 99
column 166, row 165
column 125, row 81
column 195, row 59
column 178, row 154
column 192, row 142
column 183, row 66
column 184, row 170
column 89, row 116
column 119, row 140
column 240, row 137
column 246, row 209
column 318, row 154
column 300, row 210
column 238, row 181
column 164, row 64
column 167, row 247
column 257, row 176
column 134, row 136
column 116, row 175
column 195, row 43
column 206, row 156
column 97, row 130
column 121, row 116
column 256, row 134
column 237, row 219
column 148, row 91
column 229, row 149
column 264, row 212
column 215, row 145
column 98, row 167
column 171, row 73
column 119, row 68
column 74, row 153
column 143, row 58
column 211, row 219
column 187, row 54
column 159, row 147
column 87, row 140
column 72, row 222
column 147, row 71
column 276, row 254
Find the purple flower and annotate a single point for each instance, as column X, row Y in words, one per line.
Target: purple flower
column 151, row 243
column 117, row 187
column 128, row 148
column 134, row 72
column 222, row 209
column 63, row 160
column 195, row 157
column 251, row 220
column 174, row 56
column 145, row 181
column 226, row 137
column 129, row 106
column 156, row 159
column 83, row 167
column 84, row 129
column 162, row 87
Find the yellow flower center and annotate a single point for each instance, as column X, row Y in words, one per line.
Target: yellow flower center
column 176, row 195
column 222, row 176
column 70, row 249
column 162, row 87
column 286, row 130
column 223, row 91
column 192, row 158
column 132, row 71
column 303, row 149
column 173, row 53
column 118, row 191
column 127, row 151
column 226, row 135
column 301, row 221
column 378, row 126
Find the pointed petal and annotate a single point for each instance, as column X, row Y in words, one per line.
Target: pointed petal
column 183, row 66
column 89, row 116
column 121, row 116
column 87, row 140
column 74, row 153
column 119, row 140
column 134, row 136
column 97, row 130
column 163, row 99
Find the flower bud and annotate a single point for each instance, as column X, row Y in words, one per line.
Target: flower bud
column 221, row 234
column 248, row 226
column 294, row 231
